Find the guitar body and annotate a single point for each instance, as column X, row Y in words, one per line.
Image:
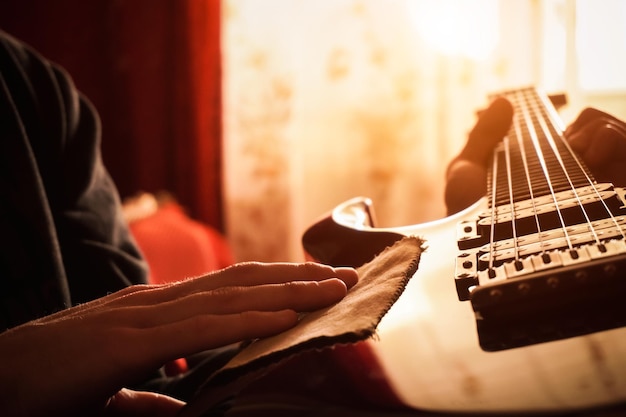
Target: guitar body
column 428, row 350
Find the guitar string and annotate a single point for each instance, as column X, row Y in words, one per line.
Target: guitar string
column 558, row 126
column 507, row 156
column 494, row 181
column 547, row 113
column 550, row 139
column 522, row 149
column 542, row 161
column 510, row 189
column 518, row 100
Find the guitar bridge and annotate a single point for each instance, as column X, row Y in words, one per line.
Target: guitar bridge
column 556, row 295
column 534, row 287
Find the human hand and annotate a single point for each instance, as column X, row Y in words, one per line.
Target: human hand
column 78, row 360
column 600, row 139
column 466, row 178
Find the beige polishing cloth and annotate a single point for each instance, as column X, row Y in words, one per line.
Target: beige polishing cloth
column 381, row 281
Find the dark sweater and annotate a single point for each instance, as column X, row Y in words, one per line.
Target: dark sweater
column 64, row 240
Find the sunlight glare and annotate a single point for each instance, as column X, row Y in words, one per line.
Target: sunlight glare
column 457, row 27
column 601, row 45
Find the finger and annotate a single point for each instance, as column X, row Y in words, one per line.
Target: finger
column 245, row 274
column 241, row 275
column 492, row 125
column 255, row 273
column 294, row 295
column 599, row 141
column 301, row 296
column 590, row 115
column 606, row 141
column 465, row 184
column 203, row 332
column 466, row 174
column 349, row 276
column 137, row 404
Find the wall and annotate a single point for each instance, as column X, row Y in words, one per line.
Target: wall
column 332, row 99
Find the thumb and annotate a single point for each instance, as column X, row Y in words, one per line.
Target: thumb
column 466, row 177
column 493, row 124
column 138, row 403
column 466, row 182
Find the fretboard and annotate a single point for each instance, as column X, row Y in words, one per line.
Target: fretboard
column 534, row 160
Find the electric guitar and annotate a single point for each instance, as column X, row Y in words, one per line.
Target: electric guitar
column 519, row 301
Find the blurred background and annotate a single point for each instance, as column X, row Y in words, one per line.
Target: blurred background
column 333, row 99
column 260, row 116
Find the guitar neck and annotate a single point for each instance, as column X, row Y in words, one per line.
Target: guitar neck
column 534, row 159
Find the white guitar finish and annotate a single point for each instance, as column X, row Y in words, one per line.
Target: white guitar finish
column 530, row 279
column 429, row 352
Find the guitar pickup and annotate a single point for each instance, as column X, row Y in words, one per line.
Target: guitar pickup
column 468, row 236
column 621, row 195
column 466, row 274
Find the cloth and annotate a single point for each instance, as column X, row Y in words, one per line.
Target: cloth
column 354, row 319
column 64, row 239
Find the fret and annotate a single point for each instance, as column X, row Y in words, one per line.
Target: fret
column 541, row 181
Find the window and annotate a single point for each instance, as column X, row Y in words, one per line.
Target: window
column 601, row 45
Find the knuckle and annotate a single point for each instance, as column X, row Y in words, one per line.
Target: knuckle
column 245, row 269
column 135, row 289
column 296, row 286
column 312, row 269
column 226, row 294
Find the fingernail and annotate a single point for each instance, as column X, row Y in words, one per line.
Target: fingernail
column 334, row 287
column 348, row 275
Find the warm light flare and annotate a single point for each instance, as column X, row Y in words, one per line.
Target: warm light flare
column 457, row 27
column 601, row 45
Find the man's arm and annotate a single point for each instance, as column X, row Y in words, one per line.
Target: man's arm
column 66, row 241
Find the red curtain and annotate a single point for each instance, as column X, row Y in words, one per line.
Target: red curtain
column 152, row 69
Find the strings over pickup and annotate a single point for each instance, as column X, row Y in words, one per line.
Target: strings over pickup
column 564, row 209
column 490, row 249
